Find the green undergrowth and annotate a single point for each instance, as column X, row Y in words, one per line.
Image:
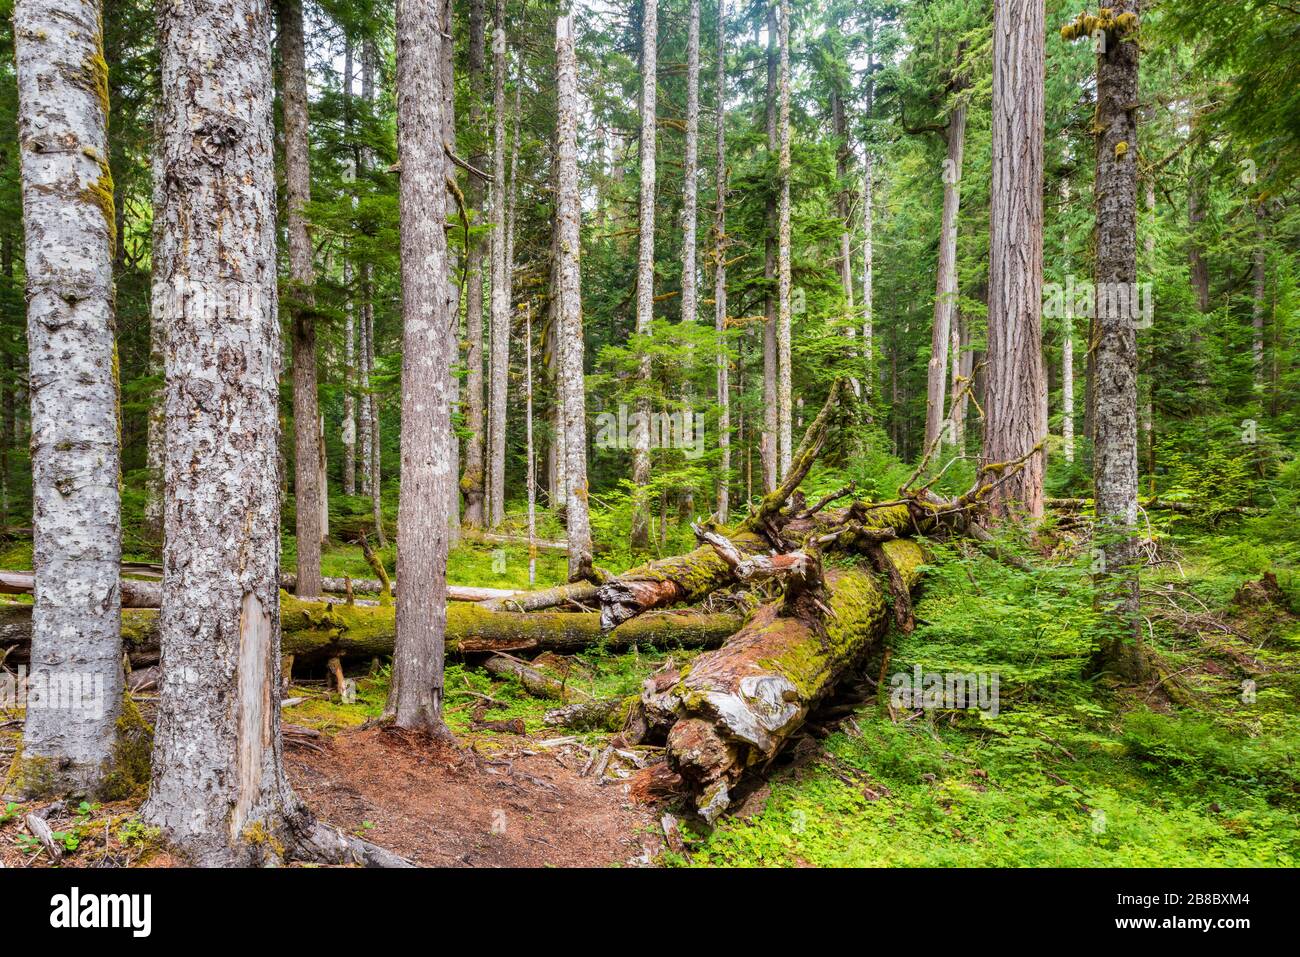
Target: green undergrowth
column 472, row 694
column 1069, row 772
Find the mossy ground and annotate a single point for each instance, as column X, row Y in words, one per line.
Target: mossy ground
column 1069, row 773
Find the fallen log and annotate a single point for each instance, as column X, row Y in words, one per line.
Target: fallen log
column 313, row 632
column 602, row 715
column 373, row 586
column 148, row 594
column 669, row 581
column 135, row 594
column 733, row 708
column 536, row 683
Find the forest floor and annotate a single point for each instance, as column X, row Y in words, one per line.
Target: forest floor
column 1196, row 767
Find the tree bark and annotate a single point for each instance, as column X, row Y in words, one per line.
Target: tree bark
column 640, row 532
column 472, row 479
column 349, row 430
column 722, row 362
column 70, row 228
column 1115, row 465
column 690, row 187
column 306, row 410
column 569, row 238
column 415, row 696
column 945, row 290
column 1015, row 380
column 219, row 792
column 784, row 318
column 501, row 293
column 769, row 443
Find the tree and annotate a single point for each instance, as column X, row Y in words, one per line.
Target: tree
column 302, row 306
column 1115, row 459
column 945, row 289
column 472, row 481
column 769, row 445
column 784, row 320
column 645, row 303
column 568, row 226
column 70, row 233
column 219, row 793
column 1016, row 384
column 689, row 179
column 428, row 341
column 723, row 387
column 501, row 295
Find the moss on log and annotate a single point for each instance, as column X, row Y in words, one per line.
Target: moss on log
column 733, row 708
column 313, row 632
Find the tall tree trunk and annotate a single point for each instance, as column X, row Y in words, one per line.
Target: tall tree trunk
column 784, row 401
column 1015, row 422
column 452, row 280
column 500, row 354
column 569, row 222
column 428, row 343
column 1258, row 306
column 945, row 288
column 472, row 480
column 640, row 533
column 1115, row 467
column 7, row 383
column 297, row 180
column 155, row 440
column 957, row 358
column 769, row 445
column 868, row 227
column 219, row 792
column 68, row 216
column 349, row 431
column 375, row 446
column 1067, row 341
column 530, row 449
column 723, row 388
column 690, row 186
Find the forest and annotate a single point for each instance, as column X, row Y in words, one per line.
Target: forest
column 664, row 434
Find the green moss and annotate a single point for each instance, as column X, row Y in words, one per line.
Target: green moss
column 129, row 776
column 100, row 195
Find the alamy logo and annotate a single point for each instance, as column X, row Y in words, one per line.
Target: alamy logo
column 72, row 691
column 73, row 910
column 668, row 430
column 1107, row 300
column 933, row 690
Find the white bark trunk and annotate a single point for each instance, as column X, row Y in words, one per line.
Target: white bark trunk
column 640, row 533
column 569, row 218
column 428, row 343
column 219, row 791
column 69, row 226
column 689, row 180
column 784, row 318
column 501, row 294
column 945, row 291
column 720, row 275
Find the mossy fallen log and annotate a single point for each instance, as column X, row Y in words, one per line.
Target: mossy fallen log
column 314, row 632
column 732, row 709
